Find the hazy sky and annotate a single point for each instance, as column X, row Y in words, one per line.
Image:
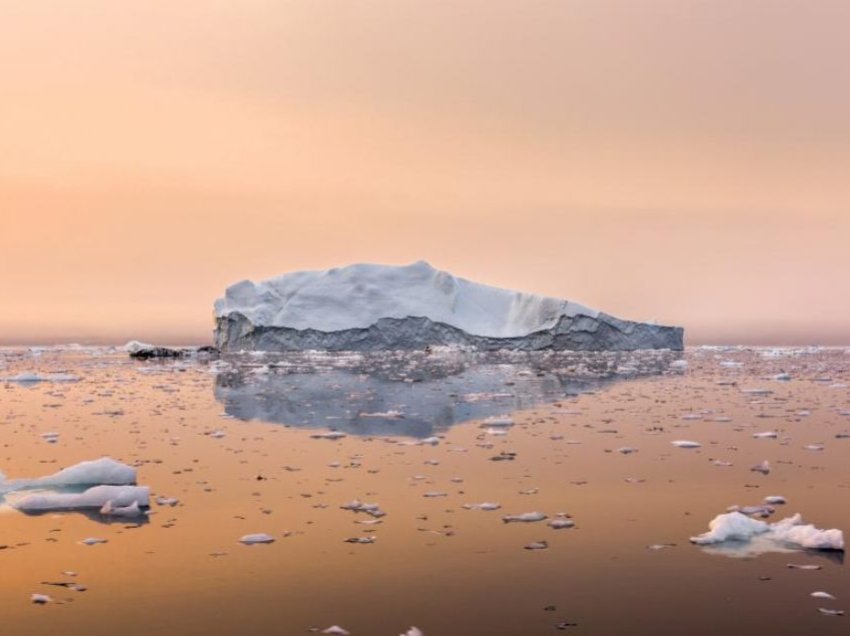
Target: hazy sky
column 675, row 160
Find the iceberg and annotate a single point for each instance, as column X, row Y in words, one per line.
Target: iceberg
column 367, row 307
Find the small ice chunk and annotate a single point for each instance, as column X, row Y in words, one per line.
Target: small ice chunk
column 525, row 517
column 537, row 545
column 775, row 500
column 254, row 539
column 93, row 541
column 766, row 435
column 684, row 443
column 336, row 630
column 482, row 506
column 830, row 612
column 763, row 468
column 40, row 599
column 332, row 435
column 825, row 595
column 413, row 631
column 561, row 522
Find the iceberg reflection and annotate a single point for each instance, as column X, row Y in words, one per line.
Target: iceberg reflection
column 415, row 394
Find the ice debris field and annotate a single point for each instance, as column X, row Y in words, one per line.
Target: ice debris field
column 498, row 493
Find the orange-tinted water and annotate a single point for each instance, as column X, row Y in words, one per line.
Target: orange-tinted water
column 446, row 569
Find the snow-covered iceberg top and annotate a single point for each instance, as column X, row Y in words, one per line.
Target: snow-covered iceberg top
column 103, row 471
column 358, row 296
column 787, row 533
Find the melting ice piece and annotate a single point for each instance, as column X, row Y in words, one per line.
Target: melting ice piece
column 103, row 471
column 93, row 541
column 830, row 612
column 118, row 498
column 337, row 630
column 40, row 599
column 775, row 500
column 766, row 435
column 331, row 435
column 787, row 533
column 358, row 506
column 525, row 517
column 561, row 522
column 684, row 443
column 763, row 468
column 252, row 539
column 482, row 506
column 413, row 631
column 537, row 545
column 111, row 510
column 825, row 595
column 361, row 540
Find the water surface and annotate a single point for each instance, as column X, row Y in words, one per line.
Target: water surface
column 234, row 443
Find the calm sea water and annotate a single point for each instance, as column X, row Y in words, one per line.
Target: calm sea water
column 235, row 441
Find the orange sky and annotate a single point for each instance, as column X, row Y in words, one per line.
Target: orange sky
column 678, row 160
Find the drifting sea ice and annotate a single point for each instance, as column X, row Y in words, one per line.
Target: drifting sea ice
column 253, row 539
column 103, row 471
column 684, row 443
column 111, row 500
column 789, row 533
column 525, row 517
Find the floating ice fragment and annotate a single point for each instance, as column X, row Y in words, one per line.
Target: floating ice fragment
column 775, row 500
column 330, row 435
column 795, row 566
column 825, row 595
column 561, row 522
column 413, row 631
column 93, row 541
column 103, row 471
column 790, row 532
column 482, row 506
column 766, row 435
column 117, row 497
column 525, row 517
column 360, row 540
column 337, row 630
column 684, row 443
column 830, row 612
column 253, row 539
column 763, row 468
column 358, row 506
column 40, row 599
column 537, row 545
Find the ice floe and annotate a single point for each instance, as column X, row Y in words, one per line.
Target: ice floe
column 111, row 500
column 103, row 471
column 789, row 533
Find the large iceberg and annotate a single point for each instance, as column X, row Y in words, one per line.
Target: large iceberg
column 377, row 307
